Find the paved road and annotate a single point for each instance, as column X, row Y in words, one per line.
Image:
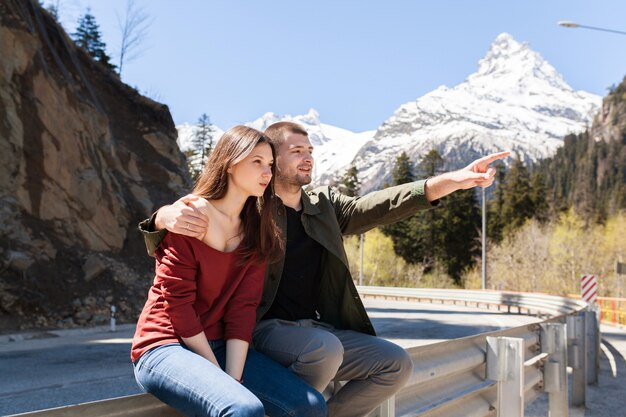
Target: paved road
column 58, row 368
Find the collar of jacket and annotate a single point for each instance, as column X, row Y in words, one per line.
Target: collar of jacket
column 308, row 205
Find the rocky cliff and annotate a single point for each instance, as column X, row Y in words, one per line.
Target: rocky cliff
column 610, row 123
column 83, row 158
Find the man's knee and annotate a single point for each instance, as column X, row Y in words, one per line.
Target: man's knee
column 401, row 364
column 325, row 350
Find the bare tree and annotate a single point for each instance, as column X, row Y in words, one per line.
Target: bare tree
column 53, row 8
column 134, row 30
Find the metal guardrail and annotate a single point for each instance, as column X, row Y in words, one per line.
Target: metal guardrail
column 497, row 373
column 530, row 303
column 490, row 374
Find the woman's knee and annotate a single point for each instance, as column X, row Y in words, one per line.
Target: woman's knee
column 248, row 406
column 318, row 406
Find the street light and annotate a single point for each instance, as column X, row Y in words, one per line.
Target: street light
column 484, row 240
column 569, row 24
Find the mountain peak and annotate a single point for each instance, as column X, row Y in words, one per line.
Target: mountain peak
column 516, row 62
column 312, row 117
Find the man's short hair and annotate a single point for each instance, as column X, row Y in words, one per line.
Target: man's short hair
column 277, row 132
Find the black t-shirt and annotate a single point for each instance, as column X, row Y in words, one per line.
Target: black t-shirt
column 298, row 292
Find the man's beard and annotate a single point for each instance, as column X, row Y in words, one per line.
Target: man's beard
column 298, row 180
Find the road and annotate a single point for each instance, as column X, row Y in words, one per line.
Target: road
column 51, row 369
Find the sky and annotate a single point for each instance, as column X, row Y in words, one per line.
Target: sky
column 354, row 61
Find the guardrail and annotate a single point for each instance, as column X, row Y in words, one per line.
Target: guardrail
column 490, row 374
column 496, row 373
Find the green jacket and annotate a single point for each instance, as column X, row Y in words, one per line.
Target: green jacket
column 327, row 216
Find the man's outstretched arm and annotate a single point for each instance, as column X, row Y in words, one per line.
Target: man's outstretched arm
column 359, row 214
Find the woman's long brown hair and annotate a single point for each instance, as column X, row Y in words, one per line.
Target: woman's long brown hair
column 261, row 236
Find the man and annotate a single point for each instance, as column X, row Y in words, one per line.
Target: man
column 311, row 318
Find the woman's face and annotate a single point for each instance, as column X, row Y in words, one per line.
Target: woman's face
column 252, row 175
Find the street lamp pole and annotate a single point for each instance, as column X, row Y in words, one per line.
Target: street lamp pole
column 484, row 241
column 568, row 24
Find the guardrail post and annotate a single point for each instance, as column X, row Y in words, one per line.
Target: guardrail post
column 593, row 344
column 386, row 409
column 505, row 364
column 554, row 343
column 577, row 355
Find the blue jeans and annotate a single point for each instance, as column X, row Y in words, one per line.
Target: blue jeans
column 194, row 386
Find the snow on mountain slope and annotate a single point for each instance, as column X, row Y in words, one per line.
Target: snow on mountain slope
column 516, row 101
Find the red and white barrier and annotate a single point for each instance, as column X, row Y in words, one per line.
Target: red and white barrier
column 589, row 288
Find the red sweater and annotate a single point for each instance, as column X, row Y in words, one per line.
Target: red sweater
column 198, row 288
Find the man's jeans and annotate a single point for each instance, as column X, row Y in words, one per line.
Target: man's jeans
column 317, row 352
column 194, row 386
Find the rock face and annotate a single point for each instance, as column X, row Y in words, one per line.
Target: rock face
column 610, row 123
column 83, row 158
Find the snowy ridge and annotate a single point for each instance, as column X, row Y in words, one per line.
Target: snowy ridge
column 515, row 101
column 334, row 147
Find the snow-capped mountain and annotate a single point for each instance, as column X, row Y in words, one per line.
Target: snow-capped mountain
column 515, row 101
column 335, row 148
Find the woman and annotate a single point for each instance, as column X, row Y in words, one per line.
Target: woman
column 190, row 348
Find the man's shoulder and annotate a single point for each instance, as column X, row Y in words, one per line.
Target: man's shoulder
column 320, row 195
column 323, row 189
column 319, row 198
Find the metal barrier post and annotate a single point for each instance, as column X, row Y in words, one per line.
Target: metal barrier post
column 577, row 355
column 592, row 334
column 554, row 343
column 386, row 409
column 505, row 364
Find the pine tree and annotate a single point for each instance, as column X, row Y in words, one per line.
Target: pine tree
column 417, row 238
column 401, row 232
column 201, row 145
column 403, row 170
column 518, row 205
column 538, row 196
column 459, row 224
column 203, row 137
column 447, row 236
column 88, row 37
column 430, row 229
column 431, row 164
column 350, row 184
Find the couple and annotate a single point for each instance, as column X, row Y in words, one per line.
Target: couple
column 243, row 264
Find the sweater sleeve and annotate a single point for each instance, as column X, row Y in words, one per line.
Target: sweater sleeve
column 176, row 269
column 240, row 314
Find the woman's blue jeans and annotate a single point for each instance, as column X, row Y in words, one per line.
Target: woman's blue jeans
column 194, row 386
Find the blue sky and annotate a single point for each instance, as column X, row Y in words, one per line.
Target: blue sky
column 354, row 61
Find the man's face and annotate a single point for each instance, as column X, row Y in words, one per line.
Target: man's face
column 294, row 161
